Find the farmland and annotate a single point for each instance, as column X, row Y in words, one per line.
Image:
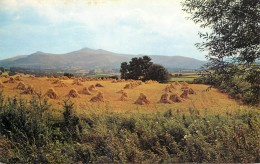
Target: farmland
column 121, row 81
column 204, row 99
column 184, row 76
column 82, row 120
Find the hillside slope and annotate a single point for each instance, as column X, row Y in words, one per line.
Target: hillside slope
column 89, row 59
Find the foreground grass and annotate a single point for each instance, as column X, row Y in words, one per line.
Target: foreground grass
column 35, row 132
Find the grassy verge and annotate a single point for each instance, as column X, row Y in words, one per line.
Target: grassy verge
column 32, row 131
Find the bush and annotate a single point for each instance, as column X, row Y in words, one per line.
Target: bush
column 236, row 87
column 11, row 73
column 69, row 75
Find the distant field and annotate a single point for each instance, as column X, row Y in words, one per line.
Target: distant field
column 185, row 76
column 212, row 101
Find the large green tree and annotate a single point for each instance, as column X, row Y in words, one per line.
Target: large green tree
column 123, row 70
column 232, row 43
column 143, row 69
column 158, row 73
column 136, row 69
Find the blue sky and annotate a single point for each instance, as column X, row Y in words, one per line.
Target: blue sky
column 149, row 27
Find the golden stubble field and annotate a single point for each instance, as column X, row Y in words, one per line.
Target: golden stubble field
column 211, row 101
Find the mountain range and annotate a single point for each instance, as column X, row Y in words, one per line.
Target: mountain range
column 91, row 59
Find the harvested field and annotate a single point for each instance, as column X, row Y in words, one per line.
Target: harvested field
column 18, row 78
column 57, row 81
column 76, row 82
column 21, row 86
column 121, row 91
column 128, row 86
column 61, row 85
column 92, row 88
column 168, row 89
column 98, row 98
column 213, row 100
column 85, row 91
column 1, row 85
column 99, row 85
column 29, row 90
column 11, row 80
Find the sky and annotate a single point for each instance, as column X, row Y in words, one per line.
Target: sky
column 150, row 27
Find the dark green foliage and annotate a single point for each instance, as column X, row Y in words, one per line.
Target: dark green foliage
column 237, row 87
column 136, row 69
column 123, row 70
column 12, row 73
column 232, row 44
column 69, row 75
column 2, row 69
column 32, row 133
column 168, row 113
column 143, row 69
column 234, row 28
column 158, row 73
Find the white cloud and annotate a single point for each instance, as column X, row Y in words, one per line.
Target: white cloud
column 114, row 21
column 164, row 17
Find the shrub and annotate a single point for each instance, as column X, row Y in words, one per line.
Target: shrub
column 236, row 87
column 69, row 75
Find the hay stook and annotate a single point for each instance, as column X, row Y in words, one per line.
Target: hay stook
column 142, row 100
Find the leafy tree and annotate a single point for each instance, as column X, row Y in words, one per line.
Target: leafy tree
column 123, row 70
column 12, row 73
column 69, row 75
column 143, row 69
column 233, row 42
column 2, row 69
column 145, row 64
column 158, row 73
column 136, row 69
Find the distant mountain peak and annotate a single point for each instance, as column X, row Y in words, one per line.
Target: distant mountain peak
column 101, row 50
column 87, row 58
column 85, row 49
column 38, row 53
